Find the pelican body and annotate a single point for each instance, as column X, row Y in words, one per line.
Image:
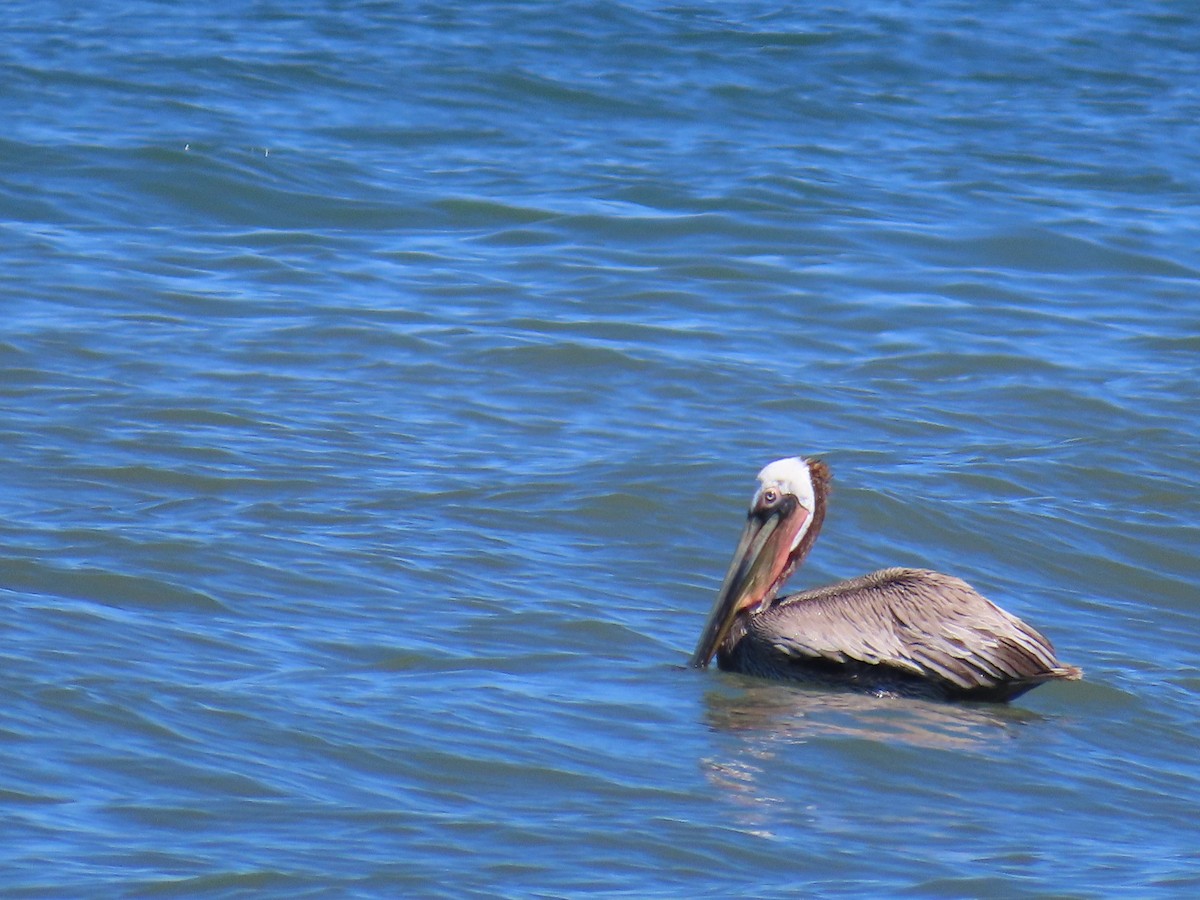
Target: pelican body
column 910, row 632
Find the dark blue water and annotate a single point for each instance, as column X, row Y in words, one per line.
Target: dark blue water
column 382, row 386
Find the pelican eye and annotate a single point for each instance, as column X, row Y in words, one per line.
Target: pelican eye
column 770, row 496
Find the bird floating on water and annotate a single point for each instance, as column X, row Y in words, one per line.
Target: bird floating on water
column 909, row 632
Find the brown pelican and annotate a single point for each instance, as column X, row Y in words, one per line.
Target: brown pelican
column 895, row 631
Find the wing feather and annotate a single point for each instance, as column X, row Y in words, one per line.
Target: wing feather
column 920, row 622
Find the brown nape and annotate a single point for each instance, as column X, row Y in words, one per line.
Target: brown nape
column 821, row 478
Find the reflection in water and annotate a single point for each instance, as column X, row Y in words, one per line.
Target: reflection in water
column 766, row 717
column 791, row 713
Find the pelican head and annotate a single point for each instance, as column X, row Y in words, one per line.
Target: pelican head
column 785, row 510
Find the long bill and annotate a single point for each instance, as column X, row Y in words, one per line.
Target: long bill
column 760, row 566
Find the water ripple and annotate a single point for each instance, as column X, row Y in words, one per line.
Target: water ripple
column 383, row 388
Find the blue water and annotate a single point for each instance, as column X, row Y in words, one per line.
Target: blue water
column 382, row 387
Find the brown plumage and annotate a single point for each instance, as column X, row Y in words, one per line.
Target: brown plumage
column 904, row 631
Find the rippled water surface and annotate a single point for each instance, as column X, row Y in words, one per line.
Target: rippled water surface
column 383, row 386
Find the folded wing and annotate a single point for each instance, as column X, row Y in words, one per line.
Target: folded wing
column 914, row 621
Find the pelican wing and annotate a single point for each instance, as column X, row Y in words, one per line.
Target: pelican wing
column 924, row 623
